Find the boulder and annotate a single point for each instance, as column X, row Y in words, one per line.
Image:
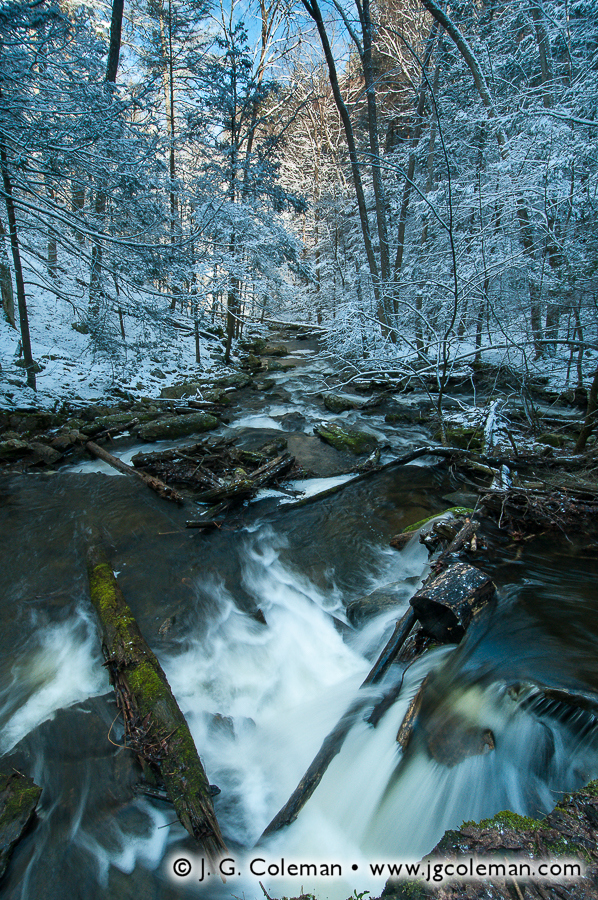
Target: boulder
column 176, row 426
column 363, row 608
column 217, row 395
column 253, row 363
column 347, row 439
column 13, row 449
column 178, row 391
column 274, row 350
column 237, row 380
column 337, row 404
column 44, row 453
column 19, row 796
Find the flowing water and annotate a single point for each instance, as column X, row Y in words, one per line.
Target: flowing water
column 259, row 698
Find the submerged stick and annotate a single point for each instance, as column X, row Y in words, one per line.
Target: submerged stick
column 154, row 724
column 443, row 452
column 335, row 739
column 151, row 481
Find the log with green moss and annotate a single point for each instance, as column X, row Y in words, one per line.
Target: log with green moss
column 18, row 799
column 154, row 725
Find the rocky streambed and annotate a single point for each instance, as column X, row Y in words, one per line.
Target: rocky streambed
column 279, row 564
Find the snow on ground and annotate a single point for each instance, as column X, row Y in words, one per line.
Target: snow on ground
column 156, row 354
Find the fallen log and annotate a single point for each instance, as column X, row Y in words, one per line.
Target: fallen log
column 19, row 796
column 442, row 452
column 447, row 602
column 406, row 728
column 163, row 490
column 245, row 485
column 117, row 429
column 201, row 523
column 155, row 727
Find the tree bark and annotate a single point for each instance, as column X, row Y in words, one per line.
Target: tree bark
column 155, row 727
column 7, row 293
column 16, row 259
column 590, row 419
column 152, row 482
column 314, row 11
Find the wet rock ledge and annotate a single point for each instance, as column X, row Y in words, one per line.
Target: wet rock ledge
column 570, row 831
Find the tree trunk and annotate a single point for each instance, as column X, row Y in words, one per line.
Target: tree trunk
column 155, row 728
column 314, row 11
column 16, row 259
column 543, row 42
column 414, row 137
column 8, row 297
column 363, row 8
column 590, row 419
column 95, row 281
column 166, row 48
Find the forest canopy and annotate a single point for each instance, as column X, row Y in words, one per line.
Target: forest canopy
column 418, row 178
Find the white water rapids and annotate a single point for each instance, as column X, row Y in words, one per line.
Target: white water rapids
column 260, row 700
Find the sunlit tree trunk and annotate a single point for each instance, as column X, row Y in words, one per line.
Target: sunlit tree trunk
column 314, row 11
column 95, row 283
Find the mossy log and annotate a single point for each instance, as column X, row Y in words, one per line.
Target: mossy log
column 19, row 796
column 163, row 490
column 155, row 726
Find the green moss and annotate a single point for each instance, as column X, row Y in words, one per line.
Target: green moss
column 340, row 438
column 512, row 820
column 552, row 439
column 22, row 796
column 147, row 685
column 466, row 437
column 19, row 796
column 176, row 426
column 336, row 404
column 113, row 610
column 406, row 890
column 591, row 789
column 455, row 511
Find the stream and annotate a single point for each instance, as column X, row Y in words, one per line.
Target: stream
column 259, row 699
